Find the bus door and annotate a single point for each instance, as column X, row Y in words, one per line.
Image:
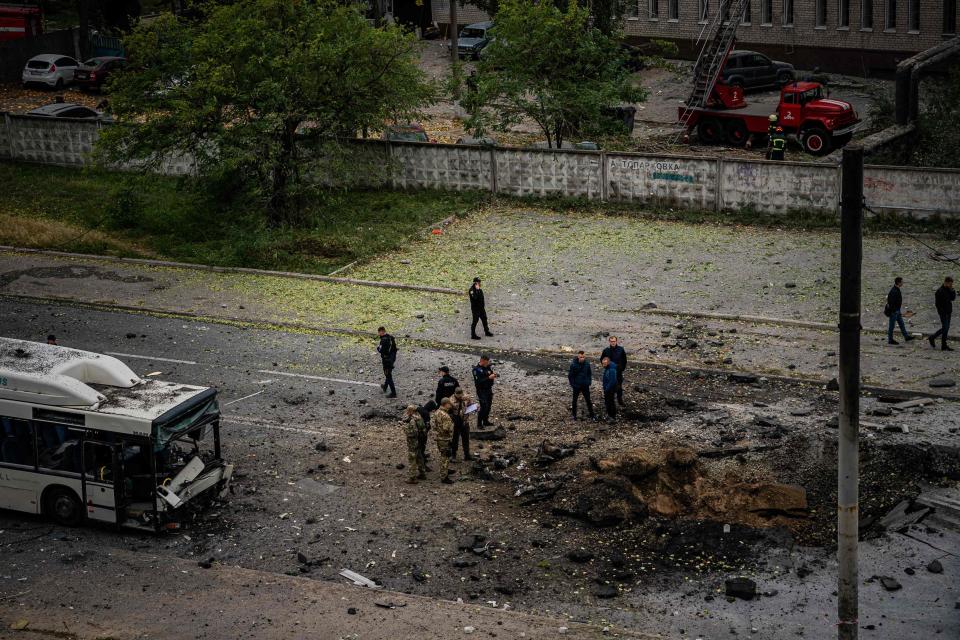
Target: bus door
column 99, row 475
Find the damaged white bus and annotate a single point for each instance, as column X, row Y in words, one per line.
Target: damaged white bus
column 82, row 437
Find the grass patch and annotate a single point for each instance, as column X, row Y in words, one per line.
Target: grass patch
column 95, row 211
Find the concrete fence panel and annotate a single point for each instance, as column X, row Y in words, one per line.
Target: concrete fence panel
column 919, row 193
column 51, row 141
column 779, row 187
column 680, row 182
column 534, row 172
column 454, row 167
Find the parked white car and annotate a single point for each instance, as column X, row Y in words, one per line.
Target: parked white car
column 49, row 69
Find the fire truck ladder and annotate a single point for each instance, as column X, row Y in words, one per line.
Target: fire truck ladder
column 722, row 33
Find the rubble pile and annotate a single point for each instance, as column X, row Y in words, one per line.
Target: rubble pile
column 674, row 483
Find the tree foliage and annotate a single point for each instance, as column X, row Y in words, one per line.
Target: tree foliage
column 257, row 91
column 550, row 66
column 939, row 141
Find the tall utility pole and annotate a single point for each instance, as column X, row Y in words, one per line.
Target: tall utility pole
column 454, row 30
column 848, row 456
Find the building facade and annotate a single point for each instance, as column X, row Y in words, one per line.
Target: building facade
column 862, row 37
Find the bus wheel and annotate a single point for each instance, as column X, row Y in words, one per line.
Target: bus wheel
column 63, row 506
column 709, row 131
column 737, row 133
column 816, row 141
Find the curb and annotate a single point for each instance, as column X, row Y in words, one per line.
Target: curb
column 247, row 270
column 504, row 352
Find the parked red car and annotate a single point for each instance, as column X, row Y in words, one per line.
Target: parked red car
column 94, row 72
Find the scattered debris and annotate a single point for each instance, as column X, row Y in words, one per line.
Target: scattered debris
column 359, row 580
column 743, row 588
column 942, row 383
column 498, row 433
column 890, row 584
column 935, row 566
column 548, row 453
column 389, row 604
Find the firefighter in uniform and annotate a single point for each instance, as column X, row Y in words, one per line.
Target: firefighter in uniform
column 778, row 144
column 771, row 130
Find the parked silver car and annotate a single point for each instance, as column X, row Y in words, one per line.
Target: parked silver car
column 69, row 110
column 49, row 69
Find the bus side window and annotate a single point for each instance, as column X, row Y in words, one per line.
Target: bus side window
column 98, row 461
column 56, row 448
column 16, row 442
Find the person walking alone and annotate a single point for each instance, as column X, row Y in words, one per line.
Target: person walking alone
column 893, row 313
column 415, row 430
column 580, row 376
column 478, row 308
column 483, row 379
column 618, row 356
column 609, row 387
column 442, row 426
column 944, row 298
column 387, row 348
column 461, row 424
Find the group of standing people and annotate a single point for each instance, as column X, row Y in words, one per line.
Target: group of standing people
column 613, row 359
column 943, row 300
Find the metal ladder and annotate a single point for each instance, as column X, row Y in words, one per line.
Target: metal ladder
column 718, row 44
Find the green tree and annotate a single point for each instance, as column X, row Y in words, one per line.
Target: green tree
column 549, row 66
column 257, row 92
column 939, row 124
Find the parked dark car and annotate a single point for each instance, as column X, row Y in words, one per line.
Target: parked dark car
column 411, row 132
column 752, row 70
column 473, row 38
column 68, row 110
column 91, row 75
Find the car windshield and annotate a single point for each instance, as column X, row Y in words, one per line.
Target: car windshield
column 38, row 64
column 810, row 95
column 472, row 33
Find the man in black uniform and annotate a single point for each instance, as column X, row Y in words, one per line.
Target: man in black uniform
column 944, row 298
column 388, row 356
column 483, row 378
column 618, row 356
column 478, row 309
column 447, row 385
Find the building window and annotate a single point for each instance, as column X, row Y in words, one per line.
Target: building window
column 949, row 17
column 843, row 17
column 653, row 8
column 788, row 13
column 913, row 16
column 766, row 12
column 891, row 22
column 674, row 9
column 704, row 10
column 821, row 13
column 866, row 14
column 631, row 9
column 747, row 13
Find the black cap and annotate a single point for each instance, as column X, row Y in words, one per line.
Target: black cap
column 476, row 279
column 445, row 369
column 52, row 337
column 484, row 356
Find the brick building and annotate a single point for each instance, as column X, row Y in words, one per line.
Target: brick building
column 861, row 37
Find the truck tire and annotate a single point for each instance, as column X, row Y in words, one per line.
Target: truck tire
column 710, row 131
column 63, row 506
column 737, row 133
column 816, row 141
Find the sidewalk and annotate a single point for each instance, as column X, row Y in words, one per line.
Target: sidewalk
column 520, row 324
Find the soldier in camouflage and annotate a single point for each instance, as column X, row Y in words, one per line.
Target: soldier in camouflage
column 442, row 425
column 416, row 431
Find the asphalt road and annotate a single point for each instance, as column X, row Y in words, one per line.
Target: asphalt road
column 281, row 393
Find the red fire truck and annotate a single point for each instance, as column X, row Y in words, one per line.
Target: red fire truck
column 19, row 21
column 820, row 123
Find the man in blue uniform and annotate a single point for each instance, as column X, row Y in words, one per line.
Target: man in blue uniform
column 387, row 348
column 483, row 378
column 478, row 309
